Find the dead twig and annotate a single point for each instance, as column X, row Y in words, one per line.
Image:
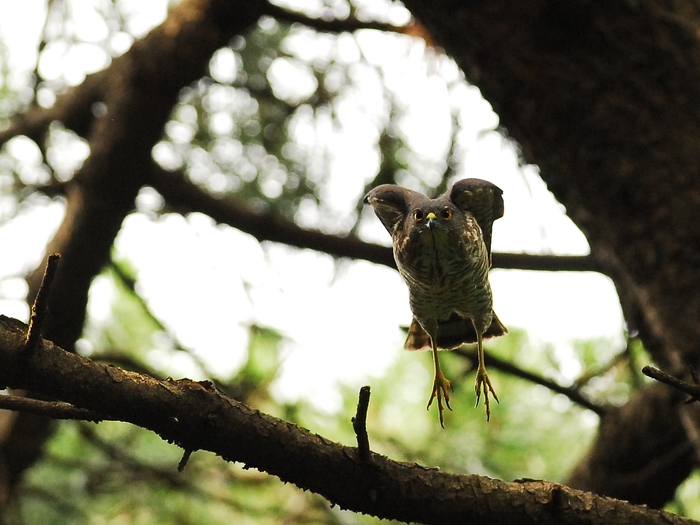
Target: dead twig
column 40, row 307
column 359, row 425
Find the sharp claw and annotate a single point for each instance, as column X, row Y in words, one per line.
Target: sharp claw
column 440, row 387
column 483, row 384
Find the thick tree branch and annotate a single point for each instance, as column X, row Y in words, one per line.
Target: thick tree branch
column 197, row 417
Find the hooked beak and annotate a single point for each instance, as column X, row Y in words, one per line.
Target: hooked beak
column 432, row 219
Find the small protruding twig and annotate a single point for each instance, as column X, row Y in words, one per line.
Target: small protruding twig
column 185, row 458
column 52, row 409
column 40, row 306
column 692, row 389
column 359, row 425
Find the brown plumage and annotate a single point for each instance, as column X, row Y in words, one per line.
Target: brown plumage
column 442, row 248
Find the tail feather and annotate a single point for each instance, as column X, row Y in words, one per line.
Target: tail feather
column 451, row 333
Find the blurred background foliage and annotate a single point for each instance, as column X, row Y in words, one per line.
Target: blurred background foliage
column 247, row 130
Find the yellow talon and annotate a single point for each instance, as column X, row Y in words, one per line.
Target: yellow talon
column 440, row 387
column 483, row 383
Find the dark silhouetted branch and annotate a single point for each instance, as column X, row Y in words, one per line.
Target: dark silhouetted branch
column 547, row 263
column 184, row 196
column 692, row 389
column 330, row 26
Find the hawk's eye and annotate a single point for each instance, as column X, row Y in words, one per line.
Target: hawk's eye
column 447, row 214
column 418, row 215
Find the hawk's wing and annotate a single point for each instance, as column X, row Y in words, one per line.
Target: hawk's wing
column 483, row 200
column 391, row 204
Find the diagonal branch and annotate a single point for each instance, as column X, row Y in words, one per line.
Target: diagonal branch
column 73, row 108
column 184, row 196
column 573, row 393
column 197, row 417
column 692, row 389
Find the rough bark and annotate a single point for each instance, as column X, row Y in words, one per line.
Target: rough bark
column 196, row 416
column 602, row 96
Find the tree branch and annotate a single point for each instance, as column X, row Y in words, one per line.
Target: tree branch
column 184, row 197
column 330, row 26
column 195, row 416
column 547, row 263
column 692, row 389
column 73, row 108
column 573, row 393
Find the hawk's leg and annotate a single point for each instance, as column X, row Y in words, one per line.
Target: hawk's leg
column 483, row 383
column 440, row 386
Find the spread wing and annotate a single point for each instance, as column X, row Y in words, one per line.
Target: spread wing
column 483, row 200
column 391, row 204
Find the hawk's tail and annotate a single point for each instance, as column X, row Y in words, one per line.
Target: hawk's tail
column 451, row 333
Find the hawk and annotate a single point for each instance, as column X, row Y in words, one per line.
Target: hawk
column 442, row 248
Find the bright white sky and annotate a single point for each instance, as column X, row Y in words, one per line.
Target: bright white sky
column 341, row 320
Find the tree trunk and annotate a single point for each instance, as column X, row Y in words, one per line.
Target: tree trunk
column 603, row 97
